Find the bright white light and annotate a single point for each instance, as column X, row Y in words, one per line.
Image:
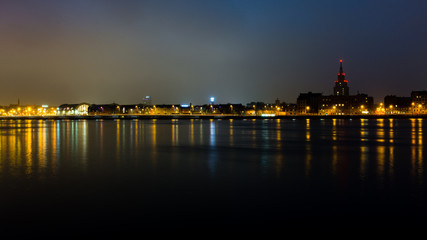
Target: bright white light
column 185, row 105
column 268, row 115
column 212, row 99
column 45, row 106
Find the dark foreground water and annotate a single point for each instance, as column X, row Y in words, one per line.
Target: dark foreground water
column 215, row 174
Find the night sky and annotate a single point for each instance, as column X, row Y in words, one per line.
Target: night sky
column 54, row 52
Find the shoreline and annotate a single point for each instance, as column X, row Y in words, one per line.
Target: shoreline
column 216, row 117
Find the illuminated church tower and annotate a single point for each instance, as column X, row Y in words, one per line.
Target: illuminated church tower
column 341, row 88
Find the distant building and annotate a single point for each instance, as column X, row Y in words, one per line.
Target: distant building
column 397, row 105
column 287, row 109
column 27, row 110
column 419, row 102
column 309, row 103
column 342, row 103
column 256, row 105
column 187, row 109
column 147, row 100
column 73, row 109
column 341, row 88
column 166, row 109
column 100, row 109
column 229, row 108
column 133, row 109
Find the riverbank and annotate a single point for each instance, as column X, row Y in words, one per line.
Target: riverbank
column 225, row 117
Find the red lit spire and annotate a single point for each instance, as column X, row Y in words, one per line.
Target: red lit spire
column 341, row 88
column 341, row 74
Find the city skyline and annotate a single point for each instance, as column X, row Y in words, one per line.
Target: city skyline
column 118, row 117
column 340, row 90
column 237, row 51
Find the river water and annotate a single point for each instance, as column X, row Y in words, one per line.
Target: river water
column 88, row 175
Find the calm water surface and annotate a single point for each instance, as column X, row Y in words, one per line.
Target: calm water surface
column 216, row 174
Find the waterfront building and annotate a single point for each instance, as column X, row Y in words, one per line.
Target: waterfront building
column 308, row 103
column 289, row 108
column 186, row 109
column 133, row 109
column 27, row 110
column 255, row 105
column 344, row 105
column 284, row 109
column 341, row 84
column 397, row 105
column 73, row 109
column 229, row 108
column 341, row 102
column 166, row 109
column 419, row 102
column 100, row 109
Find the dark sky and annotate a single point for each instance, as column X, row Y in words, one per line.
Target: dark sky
column 54, row 52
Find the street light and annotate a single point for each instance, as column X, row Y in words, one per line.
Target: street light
column 413, row 107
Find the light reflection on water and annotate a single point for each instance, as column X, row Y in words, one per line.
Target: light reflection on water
column 374, row 150
column 391, row 149
column 308, row 156
column 231, row 141
column 417, row 150
column 251, row 167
